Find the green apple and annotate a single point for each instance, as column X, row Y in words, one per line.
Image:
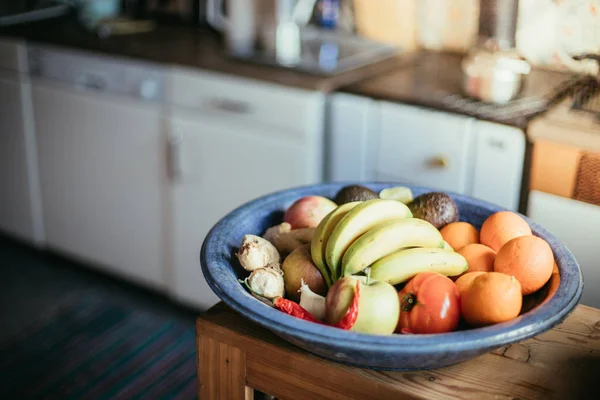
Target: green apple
column 378, row 305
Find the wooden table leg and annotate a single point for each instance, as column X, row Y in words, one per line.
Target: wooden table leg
column 221, row 371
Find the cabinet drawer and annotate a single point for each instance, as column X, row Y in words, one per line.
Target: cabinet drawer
column 498, row 171
column 246, row 99
column 424, row 147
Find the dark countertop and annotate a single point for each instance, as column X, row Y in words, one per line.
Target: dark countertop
column 184, row 46
column 426, row 79
column 434, row 80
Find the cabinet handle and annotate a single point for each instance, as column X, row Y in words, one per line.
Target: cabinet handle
column 439, row 162
column 232, row 106
column 175, row 155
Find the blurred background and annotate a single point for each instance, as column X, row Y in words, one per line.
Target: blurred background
column 128, row 128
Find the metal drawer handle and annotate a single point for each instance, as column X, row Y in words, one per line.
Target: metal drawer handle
column 232, row 106
column 440, row 161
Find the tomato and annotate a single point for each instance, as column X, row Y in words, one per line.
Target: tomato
column 429, row 303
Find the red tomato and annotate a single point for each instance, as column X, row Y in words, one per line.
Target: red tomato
column 429, row 303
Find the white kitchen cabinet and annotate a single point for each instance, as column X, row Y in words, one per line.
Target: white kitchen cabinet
column 353, row 126
column 499, row 156
column 102, row 160
column 384, row 141
column 228, row 145
column 577, row 224
column 424, row 147
column 20, row 209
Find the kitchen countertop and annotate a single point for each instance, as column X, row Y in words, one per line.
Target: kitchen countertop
column 434, row 78
column 428, row 79
column 184, row 46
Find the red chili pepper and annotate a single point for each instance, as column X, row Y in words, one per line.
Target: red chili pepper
column 294, row 309
column 349, row 319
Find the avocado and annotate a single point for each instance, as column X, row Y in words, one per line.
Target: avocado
column 436, row 208
column 351, row 193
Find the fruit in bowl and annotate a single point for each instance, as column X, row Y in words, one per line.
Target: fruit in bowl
column 394, row 284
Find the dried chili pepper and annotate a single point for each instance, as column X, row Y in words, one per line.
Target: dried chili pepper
column 349, row 319
column 294, row 309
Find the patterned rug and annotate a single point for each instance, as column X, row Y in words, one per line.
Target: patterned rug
column 100, row 350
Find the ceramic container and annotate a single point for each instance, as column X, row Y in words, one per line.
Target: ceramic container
column 390, row 352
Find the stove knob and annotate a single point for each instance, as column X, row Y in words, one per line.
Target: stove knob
column 148, row 89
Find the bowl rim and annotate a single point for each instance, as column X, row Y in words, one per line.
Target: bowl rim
column 544, row 317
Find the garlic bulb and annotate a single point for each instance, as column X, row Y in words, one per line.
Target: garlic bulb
column 256, row 252
column 267, row 282
column 312, row 302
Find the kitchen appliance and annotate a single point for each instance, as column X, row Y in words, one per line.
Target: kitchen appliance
column 493, row 70
column 281, row 40
column 498, row 24
column 397, row 352
column 99, row 130
column 237, row 20
column 20, row 202
column 493, row 77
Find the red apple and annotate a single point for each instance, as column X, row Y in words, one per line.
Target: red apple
column 308, row 211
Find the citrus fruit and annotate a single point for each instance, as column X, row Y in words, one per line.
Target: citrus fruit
column 465, row 281
column 459, row 234
column 478, row 256
column 491, row 298
column 527, row 258
column 501, row 227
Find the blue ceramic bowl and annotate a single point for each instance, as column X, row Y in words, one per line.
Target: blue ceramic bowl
column 393, row 352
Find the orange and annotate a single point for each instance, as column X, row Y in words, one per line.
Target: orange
column 465, row 281
column 501, row 227
column 459, row 234
column 479, row 257
column 491, row 298
column 527, row 258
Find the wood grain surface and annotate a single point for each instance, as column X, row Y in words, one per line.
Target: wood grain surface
column 563, row 363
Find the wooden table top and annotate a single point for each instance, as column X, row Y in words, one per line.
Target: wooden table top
column 561, row 363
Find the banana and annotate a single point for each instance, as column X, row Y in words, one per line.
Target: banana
column 321, row 235
column 402, row 265
column 388, row 238
column 447, row 246
column 357, row 221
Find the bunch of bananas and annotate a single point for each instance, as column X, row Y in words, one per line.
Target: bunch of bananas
column 382, row 235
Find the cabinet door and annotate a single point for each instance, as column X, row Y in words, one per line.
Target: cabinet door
column 101, row 167
column 354, row 134
column 577, row 224
column 426, row 148
column 19, row 215
column 217, row 165
column 498, row 171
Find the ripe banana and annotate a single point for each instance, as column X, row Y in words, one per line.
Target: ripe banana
column 357, row 221
column 447, row 246
column 322, row 234
column 388, row 238
column 402, row 265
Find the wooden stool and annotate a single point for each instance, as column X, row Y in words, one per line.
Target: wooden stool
column 236, row 356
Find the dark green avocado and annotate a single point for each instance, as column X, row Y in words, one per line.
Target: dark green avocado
column 436, row 208
column 351, row 193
